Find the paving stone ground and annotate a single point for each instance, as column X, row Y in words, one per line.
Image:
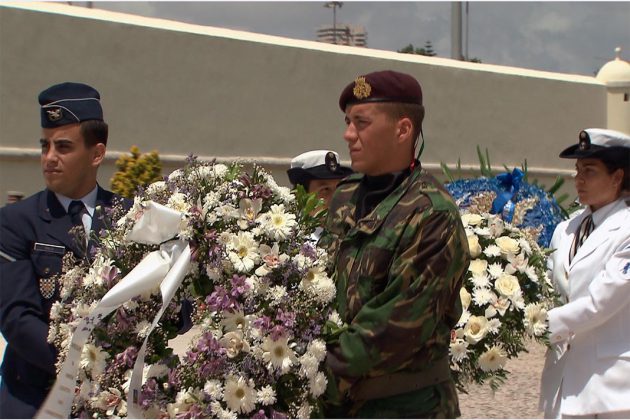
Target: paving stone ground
column 515, row 399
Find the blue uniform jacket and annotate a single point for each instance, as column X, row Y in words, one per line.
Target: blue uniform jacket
column 28, row 369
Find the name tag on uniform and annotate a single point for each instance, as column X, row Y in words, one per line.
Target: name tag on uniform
column 49, row 248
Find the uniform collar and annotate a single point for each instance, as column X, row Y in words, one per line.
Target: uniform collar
column 89, row 200
column 601, row 214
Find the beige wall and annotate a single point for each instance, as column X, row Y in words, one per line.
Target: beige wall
column 181, row 88
column 619, row 108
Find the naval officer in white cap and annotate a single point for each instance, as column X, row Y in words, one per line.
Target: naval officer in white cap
column 587, row 368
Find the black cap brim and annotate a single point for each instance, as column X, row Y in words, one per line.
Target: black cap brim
column 574, row 152
column 303, row 176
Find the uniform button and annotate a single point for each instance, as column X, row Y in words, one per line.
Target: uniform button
column 569, row 347
column 46, row 270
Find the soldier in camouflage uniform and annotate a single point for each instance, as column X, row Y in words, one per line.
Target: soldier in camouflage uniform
column 400, row 255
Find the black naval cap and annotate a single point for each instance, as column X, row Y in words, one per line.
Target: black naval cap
column 69, row 103
column 598, row 142
column 382, row 86
column 316, row 164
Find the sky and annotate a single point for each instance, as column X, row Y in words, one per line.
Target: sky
column 565, row 37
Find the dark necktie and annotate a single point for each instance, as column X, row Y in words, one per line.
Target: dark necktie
column 585, row 229
column 76, row 210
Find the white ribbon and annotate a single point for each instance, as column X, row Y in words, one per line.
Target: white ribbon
column 165, row 268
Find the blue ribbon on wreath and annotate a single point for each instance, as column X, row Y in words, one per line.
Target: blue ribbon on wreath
column 504, row 204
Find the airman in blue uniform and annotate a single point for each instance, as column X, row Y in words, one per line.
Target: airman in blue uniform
column 35, row 233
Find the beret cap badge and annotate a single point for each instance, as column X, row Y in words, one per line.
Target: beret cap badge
column 362, row 88
column 54, row 114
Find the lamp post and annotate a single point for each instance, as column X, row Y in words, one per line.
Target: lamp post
column 333, row 5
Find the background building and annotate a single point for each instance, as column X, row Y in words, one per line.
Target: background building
column 229, row 95
column 343, row 34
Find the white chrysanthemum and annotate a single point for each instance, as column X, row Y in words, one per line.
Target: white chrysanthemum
column 480, row 282
column 277, row 294
column 210, row 201
column 55, row 310
column 483, row 296
column 156, row 187
column 179, row 202
column 317, row 384
column 243, row 252
column 255, row 287
column 495, row 270
column 324, row 290
column 235, row 320
column 240, row 395
column 219, row 170
column 93, row 359
column 142, row 329
column 183, row 400
column 276, row 223
column 111, row 401
column 304, row 412
column 530, row 272
column 277, row 354
column 458, row 350
column 266, row 395
column 213, row 389
column 226, row 212
column 283, row 192
column 478, row 267
column 308, row 366
column 317, row 348
column 493, row 359
column 492, row 251
column 175, row 175
column 465, row 297
column 463, row 319
column 335, row 318
column 535, row 319
column 301, row 261
column 494, row 325
column 130, row 305
column 507, row 285
column 518, row 301
column 476, row 329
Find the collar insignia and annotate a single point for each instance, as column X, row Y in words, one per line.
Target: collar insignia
column 362, row 89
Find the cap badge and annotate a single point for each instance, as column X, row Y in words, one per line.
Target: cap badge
column 585, row 141
column 54, row 114
column 362, row 89
column 331, row 162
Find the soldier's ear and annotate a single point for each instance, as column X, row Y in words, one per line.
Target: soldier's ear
column 404, row 129
column 98, row 154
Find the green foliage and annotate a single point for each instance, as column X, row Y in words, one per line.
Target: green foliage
column 136, row 170
column 312, row 212
column 426, row 50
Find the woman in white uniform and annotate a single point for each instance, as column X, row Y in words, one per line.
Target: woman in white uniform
column 587, row 370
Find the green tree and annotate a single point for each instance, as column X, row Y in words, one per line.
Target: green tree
column 136, row 170
column 426, row 50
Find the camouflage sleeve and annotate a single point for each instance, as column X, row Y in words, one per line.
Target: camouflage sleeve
column 422, row 293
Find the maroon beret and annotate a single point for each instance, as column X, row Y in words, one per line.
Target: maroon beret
column 382, row 86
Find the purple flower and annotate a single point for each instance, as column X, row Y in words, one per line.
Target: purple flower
column 287, row 318
column 278, row 331
column 259, row 415
column 238, row 286
column 308, row 251
column 263, row 323
column 127, row 357
column 219, row 300
column 277, row 414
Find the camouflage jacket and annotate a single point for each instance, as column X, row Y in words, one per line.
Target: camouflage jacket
column 398, row 272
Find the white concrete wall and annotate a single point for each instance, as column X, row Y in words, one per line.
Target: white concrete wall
column 180, row 88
